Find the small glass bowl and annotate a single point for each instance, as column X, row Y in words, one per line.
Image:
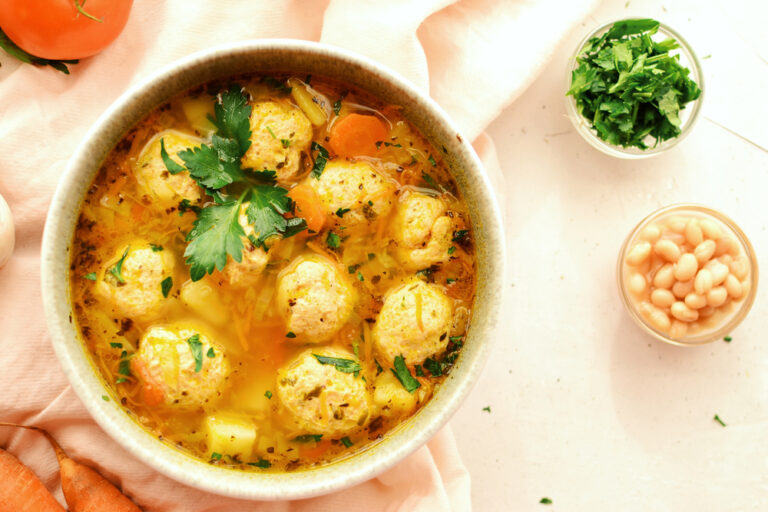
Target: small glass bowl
column 688, row 114
column 732, row 318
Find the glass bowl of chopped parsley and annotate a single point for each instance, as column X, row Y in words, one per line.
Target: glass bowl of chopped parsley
column 634, row 89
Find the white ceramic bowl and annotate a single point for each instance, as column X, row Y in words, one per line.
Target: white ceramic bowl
column 271, row 56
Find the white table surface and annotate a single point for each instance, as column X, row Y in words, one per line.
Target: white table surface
column 585, row 408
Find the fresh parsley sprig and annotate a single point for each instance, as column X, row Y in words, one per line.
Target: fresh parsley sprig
column 628, row 86
column 217, row 232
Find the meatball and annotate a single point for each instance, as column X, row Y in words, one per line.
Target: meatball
column 177, row 368
column 314, row 298
column 131, row 281
column 320, row 398
column 414, row 322
column 246, row 272
column 166, row 189
column 421, row 231
column 279, row 133
column 353, row 186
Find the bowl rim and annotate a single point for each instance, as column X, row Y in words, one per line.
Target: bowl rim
column 127, row 432
column 738, row 315
column 587, row 132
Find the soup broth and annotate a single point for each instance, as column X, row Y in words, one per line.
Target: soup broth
column 344, row 308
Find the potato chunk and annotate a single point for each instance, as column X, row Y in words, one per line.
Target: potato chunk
column 230, row 434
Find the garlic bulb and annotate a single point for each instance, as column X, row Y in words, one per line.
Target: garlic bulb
column 7, row 238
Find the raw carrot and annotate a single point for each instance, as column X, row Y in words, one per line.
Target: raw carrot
column 308, row 206
column 21, row 490
column 356, row 135
column 84, row 489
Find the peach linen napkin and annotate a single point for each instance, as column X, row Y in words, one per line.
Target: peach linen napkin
column 473, row 56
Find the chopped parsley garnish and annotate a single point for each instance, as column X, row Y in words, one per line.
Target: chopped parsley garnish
column 545, row 501
column 487, row 409
column 459, row 235
column 343, row 365
column 456, row 339
column 346, row 442
column 105, row 398
column 261, row 463
column 290, row 334
column 438, row 367
column 166, row 285
column 196, row 347
column 628, row 86
column 360, row 276
column 271, row 133
column 356, row 349
column 306, row 438
column 185, row 205
column 120, row 380
column 418, row 370
column 91, row 276
column 341, row 211
column 210, row 353
column 156, row 248
column 452, row 249
column 429, row 180
column 404, row 375
column 268, row 394
column 216, row 456
column 320, row 160
column 276, row 84
column 379, row 369
column 115, row 344
column 371, row 256
column 117, row 270
column 217, row 232
column 124, row 367
column 432, row 161
column 379, row 143
column 450, row 280
column 286, row 143
column 727, row 339
column 332, row 240
column 337, row 106
column 717, row 419
column 352, row 268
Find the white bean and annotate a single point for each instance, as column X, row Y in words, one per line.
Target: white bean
column 726, row 245
column 706, row 311
column 693, row 233
column 719, row 272
column 704, row 251
column 710, row 229
column 733, row 286
column 740, row 267
column 639, row 253
column 695, row 301
column 662, row 298
column 725, row 259
column 656, row 317
column 703, row 281
column 664, row 277
column 677, row 224
column 683, row 313
column 686, row 267
column 682, row 288
column 636, row 283
column 667, row 249
column 678, row 330
column 716, row 296
column 650, row 233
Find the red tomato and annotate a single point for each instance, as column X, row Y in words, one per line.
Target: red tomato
column 55, row 29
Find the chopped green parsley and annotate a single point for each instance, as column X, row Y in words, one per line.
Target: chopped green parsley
column 196, row 347
column 404, row 375
column 166, row 285
column 91, row 276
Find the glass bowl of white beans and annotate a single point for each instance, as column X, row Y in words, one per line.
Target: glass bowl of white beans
column 687, row 274
column 688, row 114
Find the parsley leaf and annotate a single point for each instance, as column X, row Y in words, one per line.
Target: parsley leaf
column 306, row 438
column 404, row 375
column 717, row 419
column 290, row 334
column 196, row 347
column 117, row 269
column 166, row 285
column 232, row 118
column 429, row 180
column 208, row 168
column 170, row 164
column 320, row 160
column 211, row 353
column 216, row 233
column 265, row 212
column 261, row 463
column 91, row 276
column 545, row 501
column 332, row 240
column 156, row 248
column 268, row 394
column 341, row 211
column 346, row 441
column 124, row 367
column 343, row 365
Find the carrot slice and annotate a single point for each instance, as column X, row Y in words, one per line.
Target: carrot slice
column 21, row 490
column 308, row 206
column 152, row 391
column 357, row 134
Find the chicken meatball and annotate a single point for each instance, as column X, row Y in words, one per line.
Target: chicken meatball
column 179, row 367
column 246, row 272
column 414, row 322
column 353, row 186
column 279, row 133
column 314, row 298
column 131, row 280
column 320, row 398
column 166, row 189
column 421, row 231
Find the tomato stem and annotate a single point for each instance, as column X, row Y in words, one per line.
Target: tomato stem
column 79, row 6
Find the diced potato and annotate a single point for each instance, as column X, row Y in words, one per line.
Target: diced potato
column 230, row 435
column 197, row 110
column 204, row 300
column 308, row 102
column 250, row 394
column 390, row 397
